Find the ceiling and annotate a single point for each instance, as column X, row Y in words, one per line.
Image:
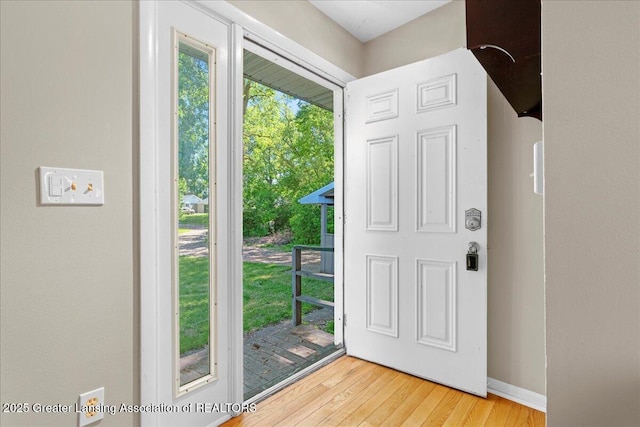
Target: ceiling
column 368, row 19
column 263, row 71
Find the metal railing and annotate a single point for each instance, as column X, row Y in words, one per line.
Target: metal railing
column 297, row 273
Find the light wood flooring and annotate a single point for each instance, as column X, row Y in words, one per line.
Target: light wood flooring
column 350, row 392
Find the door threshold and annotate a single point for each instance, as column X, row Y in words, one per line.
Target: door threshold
column 297, row 376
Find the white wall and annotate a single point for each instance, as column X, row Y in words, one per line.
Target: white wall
column 69, row 310
column 591, row 86
column 516, row 353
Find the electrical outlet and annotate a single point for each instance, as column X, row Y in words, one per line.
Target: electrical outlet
column 91, row 407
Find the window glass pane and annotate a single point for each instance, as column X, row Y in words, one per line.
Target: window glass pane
column 194, row 288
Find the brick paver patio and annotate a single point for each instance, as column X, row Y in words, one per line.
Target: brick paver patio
column 274, row 353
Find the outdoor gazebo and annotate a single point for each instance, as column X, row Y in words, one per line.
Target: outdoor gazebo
column 324, row 198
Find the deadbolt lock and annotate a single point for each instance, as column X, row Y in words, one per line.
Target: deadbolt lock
column 472, row 219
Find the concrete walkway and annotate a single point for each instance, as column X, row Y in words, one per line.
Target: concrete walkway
column 194, row 243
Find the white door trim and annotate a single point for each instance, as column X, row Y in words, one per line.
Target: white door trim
column 242, row 25
column 151, row 235
column 235, row 217
column 271, row 39
column 147, row 196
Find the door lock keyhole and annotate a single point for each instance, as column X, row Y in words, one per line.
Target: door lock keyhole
column 473, row 219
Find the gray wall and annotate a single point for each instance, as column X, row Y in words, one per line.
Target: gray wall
column 69, row 311
column 591, row 86
column 430, row 35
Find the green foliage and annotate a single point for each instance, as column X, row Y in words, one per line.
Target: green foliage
column 265, row 125
column 330, row 327
column 305, row 224
column 193, row 126
column 286, row 157
column 288, row 152
column 182, row 188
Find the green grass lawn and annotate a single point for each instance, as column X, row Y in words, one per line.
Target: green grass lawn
column 266, row 297
column 267, row 294
column 194, row 302
column 194, row 219
column 279, row 248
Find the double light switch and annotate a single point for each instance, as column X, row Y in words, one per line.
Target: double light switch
column 59, row 186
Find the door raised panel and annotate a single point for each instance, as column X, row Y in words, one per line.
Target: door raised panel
column 382, row 106
column 436, row 303
column 436, row 198
column 436, row 93
column 382, row 184
column 382, row 294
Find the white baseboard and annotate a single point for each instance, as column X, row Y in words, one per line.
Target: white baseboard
column 220, row 421
column 519, row 395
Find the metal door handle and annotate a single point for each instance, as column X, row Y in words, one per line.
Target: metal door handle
column 472, row 256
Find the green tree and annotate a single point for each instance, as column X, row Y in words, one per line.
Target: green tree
column 265, row 122
column 193, row 124
column 311, row 167
column 286, row 156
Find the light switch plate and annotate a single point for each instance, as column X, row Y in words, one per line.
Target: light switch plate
column 60, row 186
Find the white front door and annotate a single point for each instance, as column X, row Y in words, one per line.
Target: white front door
column 415, row 161
column 188, row 312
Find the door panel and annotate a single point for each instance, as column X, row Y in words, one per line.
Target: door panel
column 168, row 397
column 436, row 179
column 436, row 303
column 382, row 295
column 382, row 184
column 415, row 160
